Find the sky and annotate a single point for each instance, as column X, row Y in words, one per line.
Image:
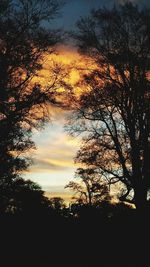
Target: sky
column 53, row 159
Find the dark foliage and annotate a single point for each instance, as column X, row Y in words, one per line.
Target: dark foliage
column 24, row 41
column 114, row 110
column 22, row 197
column 93, row 238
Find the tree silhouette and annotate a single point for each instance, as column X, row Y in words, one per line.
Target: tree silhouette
column 114, row 109
column 25, row 38
column 22, row 197
column 58, row 206
column 57, row 203
column 90, row 189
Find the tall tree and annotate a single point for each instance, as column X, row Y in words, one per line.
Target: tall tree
column 90, row 189
column 25, row 38
column 114, row 109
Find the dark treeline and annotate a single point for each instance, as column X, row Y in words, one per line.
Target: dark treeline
column 113, row 115
column 108, row 235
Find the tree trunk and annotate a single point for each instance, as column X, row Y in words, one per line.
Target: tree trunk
column 140, row 197
column 140, row 190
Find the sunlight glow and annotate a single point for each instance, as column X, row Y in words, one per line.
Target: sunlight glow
column 55, row 149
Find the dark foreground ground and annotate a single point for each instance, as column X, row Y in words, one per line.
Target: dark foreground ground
column 50, row 240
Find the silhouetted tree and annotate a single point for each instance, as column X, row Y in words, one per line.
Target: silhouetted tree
column 57, row 203
column 114, row 109
column 23, row 197
column 25, row 38
column 90, row 189
column 59, row 207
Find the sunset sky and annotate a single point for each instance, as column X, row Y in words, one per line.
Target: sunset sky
column 53, row 160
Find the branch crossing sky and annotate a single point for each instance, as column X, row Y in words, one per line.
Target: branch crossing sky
column 53, row 160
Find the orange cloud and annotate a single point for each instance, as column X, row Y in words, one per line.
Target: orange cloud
column 66, row 57
column 54, row 157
